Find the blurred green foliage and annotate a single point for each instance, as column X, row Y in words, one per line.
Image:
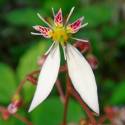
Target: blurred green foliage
column 7, row 83
column 19, row 52
column 42, row 114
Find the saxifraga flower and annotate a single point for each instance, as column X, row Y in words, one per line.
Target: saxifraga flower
column 79, row 70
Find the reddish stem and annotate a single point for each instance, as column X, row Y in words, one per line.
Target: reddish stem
column 19, row 88
column 59, row 88
column 33, row 73
column 102, row 119
column 23, row 119
column 65, row 99
column 67, row 95
column 24, row 80
column 63, row 68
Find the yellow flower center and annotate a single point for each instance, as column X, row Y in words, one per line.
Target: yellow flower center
column 60, row 35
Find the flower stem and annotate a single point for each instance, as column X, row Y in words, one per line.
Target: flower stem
column 59, row 89
column 23, row 119
column 24, row 80
column 102, row 119
column 67, row 95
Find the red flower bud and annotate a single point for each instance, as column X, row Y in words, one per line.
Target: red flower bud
column 82, row 46
column 92, row 61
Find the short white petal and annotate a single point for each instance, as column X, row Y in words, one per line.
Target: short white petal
column 84, row 25
column 50, row 48
column 36, row 33
column 47, row 77
column 82, row 77
column 81, row 40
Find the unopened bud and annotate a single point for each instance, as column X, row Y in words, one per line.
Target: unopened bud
column 12, row 108
column 92, row 61
column 82, row 46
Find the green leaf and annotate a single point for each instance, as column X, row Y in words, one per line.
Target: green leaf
column 7, row 122
column 51, row 112
column 118, row 95
column 75, row 112
column 23, row 17
column 28, row 63
column 2, row 2
column 121, row 42
column 7, row 83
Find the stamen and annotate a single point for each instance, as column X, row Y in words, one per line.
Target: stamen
column 81, row 40
column 84, row 25
column 70, row 13
column 35, row 33
column 44, row 20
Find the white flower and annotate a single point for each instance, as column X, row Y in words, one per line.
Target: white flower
column 79, row 70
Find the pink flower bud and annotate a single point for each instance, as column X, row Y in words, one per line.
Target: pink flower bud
column 12, row 108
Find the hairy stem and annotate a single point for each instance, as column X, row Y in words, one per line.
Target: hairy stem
column 24, row 80
column 23, row 119
column 102, row 119
column 67, row 95
column 60, row 90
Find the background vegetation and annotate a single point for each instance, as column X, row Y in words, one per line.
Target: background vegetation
column 19, row 52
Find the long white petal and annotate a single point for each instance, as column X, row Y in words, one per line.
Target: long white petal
column 81, row 40
column 47, row 77
column 82, row 77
